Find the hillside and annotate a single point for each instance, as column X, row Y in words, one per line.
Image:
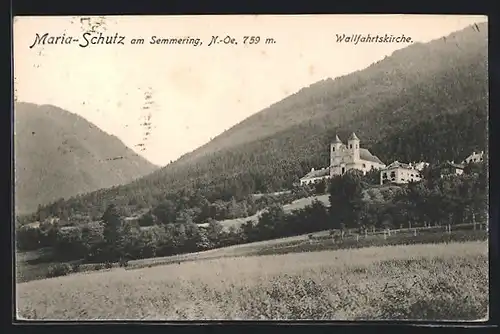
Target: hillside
column 375, row 91
column 426, row 101
column 59, row 154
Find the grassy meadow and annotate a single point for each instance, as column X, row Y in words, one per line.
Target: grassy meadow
column 446, row 281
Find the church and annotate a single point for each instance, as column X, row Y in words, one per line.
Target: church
column 351, row 156
column 344, row 157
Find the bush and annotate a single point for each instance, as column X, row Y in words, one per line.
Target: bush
column 75, row 267
column 98, row 266
column 123, row 263
column 60, row 269
column 108, row 265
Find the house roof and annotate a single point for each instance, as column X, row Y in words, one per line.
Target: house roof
column 452, row 164
column 366, row 155
column 420, row 165
column 337, row 140
column 474, row 155
column 397, row 164
column 317, row 173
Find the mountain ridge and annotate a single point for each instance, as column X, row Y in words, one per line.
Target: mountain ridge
column 60, row 154
column 397, row 57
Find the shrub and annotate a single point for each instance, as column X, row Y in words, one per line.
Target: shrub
column 123, row 263
column 75, row 267
column 59, row 269
column 108, row 265
column 98, row 266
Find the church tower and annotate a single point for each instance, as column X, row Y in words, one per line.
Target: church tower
column 353, row 146
column 335, row 147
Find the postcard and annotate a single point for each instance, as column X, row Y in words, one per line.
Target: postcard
column 251, row 167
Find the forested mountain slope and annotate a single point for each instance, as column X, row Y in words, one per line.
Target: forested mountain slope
column 417, row 69
column 427, row 101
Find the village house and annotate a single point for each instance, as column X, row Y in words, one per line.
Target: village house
column 315, row 176
column 450, row 168
column 420, row 165
column 474, row 157
column 36, row 224
column 344, row 158
column 400, row 173
column 90, row 225
column 133, row 219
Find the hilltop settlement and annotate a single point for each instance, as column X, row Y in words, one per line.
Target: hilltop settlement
column 345, row 157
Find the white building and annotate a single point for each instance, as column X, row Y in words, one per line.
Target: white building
column 474, row 157
column 315, row 176
column 400, row 173
column 344, row 158
column 351, row 156
column 420, row 165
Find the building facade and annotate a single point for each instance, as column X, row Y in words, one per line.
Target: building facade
column 351, row 156
column 474, row 157
column 420, row 165
column 344, row 158
column 400, row 173
column 315, row 176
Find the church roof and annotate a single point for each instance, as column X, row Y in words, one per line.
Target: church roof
column 337, row 140
column 364, row 154
column 353, row 137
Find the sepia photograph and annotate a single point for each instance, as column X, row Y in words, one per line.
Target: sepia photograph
column 251, row 167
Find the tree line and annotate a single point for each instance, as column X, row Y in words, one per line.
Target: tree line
column 356, row 202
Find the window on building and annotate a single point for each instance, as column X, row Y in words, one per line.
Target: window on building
column 350, row 146
column 393, row 174
column 402, row 179
column 364, row 165
column 333, row 149
column 384, row 175
column 343, row 170
column 357, row 146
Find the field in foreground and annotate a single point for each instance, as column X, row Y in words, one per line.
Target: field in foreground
column 431, row 281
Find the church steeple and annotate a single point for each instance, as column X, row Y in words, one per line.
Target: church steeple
column 353, row 137
column 337, row 140
column 353, row 146
column 335, row 148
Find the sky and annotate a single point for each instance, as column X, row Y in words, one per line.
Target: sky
column 194, row 93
